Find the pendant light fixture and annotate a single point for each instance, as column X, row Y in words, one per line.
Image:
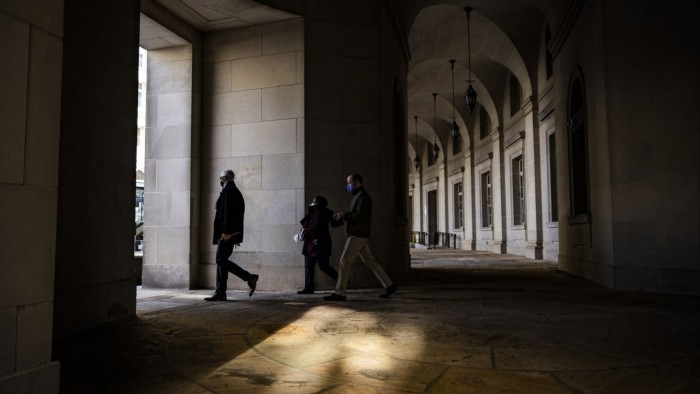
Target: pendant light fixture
column 416, row 160
column 454, row 129
column 436, row 150
column 470, row 94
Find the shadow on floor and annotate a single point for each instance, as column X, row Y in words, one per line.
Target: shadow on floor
column 461, row 322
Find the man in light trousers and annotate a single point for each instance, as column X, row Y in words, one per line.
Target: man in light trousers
column 359, row 222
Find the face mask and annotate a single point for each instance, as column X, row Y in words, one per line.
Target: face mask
column 350, row 188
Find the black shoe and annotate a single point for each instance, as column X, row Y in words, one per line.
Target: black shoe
column 216, row 297
column 252, row 283
column 389, row 291
column 305, row 291
column 334, row 297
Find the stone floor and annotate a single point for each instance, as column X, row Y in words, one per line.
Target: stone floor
column 462, row 322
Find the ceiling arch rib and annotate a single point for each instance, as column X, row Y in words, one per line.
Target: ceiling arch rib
column 425, row 134
column 434, row 75
column 422, row 105
column 441, row 33
column 522, row 21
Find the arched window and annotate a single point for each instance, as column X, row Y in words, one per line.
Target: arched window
column 578, row 147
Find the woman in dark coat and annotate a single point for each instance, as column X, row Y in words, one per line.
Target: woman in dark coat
column 317, row 242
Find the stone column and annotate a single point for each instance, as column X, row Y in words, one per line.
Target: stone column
column 95, row 281
column 418, row 203
column 498, row 193
column 352, row 66
column 469, row 201
column 443, row 208
column 533, row 182
column 169, row 194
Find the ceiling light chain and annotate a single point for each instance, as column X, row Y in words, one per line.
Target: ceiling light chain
column 454, row 129
column 436, row 150
column 416, row 160
column 470, row 94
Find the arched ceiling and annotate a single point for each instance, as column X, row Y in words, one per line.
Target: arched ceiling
column 505, row 38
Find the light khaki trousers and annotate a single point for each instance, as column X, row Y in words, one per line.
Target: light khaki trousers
column 358, row 246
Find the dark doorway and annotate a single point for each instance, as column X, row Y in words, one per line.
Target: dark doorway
column 432, row 212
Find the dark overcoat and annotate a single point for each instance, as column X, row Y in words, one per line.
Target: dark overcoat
column 230, row 209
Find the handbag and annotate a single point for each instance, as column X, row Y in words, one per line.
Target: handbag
column 299, row 237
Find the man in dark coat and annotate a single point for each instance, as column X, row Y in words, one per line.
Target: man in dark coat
column 228, row 233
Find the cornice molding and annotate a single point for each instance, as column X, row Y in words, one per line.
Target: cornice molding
column 456, row 170
column 520, row 135
column 485, row 157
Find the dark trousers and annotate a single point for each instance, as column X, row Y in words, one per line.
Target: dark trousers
column 224, row 249
column 310, row 270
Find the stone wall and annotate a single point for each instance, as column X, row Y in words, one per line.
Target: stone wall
column 653, row 135
column 31, row 41
column 642, row 148
column 253, row 123
column 170, row 163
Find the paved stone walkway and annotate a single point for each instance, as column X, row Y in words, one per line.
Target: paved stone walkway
column 462, row 322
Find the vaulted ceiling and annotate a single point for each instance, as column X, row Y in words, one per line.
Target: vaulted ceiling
column 505, row 38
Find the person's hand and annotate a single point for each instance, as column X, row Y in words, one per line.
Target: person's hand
column 226, row 237
column 338, row 215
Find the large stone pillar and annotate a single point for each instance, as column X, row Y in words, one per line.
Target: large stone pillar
column 95, row 281
column 31, row 43
column 418, row 203
column 352, row 66
column 169, row 193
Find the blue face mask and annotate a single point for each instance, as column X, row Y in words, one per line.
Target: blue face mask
column 350, row 188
